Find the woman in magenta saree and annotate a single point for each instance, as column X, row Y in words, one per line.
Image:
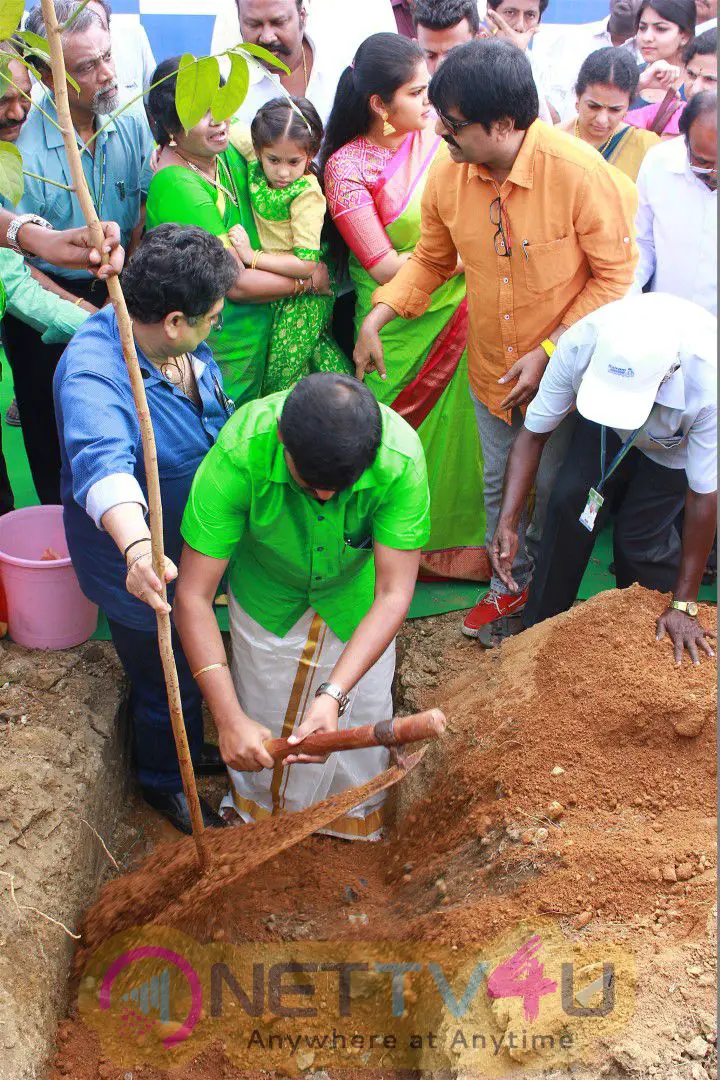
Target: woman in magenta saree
column 374, row 182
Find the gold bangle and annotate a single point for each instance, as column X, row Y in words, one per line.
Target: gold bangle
column 256, row 256
column 79, row 301
column 209, row 667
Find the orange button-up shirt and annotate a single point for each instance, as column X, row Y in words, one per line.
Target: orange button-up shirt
column 570, row 221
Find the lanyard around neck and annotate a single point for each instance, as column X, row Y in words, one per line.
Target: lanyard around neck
column 617, row 461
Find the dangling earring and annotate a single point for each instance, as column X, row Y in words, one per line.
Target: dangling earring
column 388, row 129
column 172, row 142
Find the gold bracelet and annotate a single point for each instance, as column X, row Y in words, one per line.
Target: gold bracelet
column 256, row 256
column 210, row 667
column 79, row 301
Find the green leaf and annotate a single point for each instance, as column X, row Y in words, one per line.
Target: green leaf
column 11, row 173
column 262, row 54
column 11, row 12
column 230, row 97
column 197, row 84
column 44, row 57
column 34, row 41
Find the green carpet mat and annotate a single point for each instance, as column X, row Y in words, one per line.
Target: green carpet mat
column 429, row 599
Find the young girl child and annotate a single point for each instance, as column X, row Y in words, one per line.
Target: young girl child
column 289, row 209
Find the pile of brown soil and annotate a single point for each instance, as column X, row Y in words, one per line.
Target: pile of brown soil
column 577, row 784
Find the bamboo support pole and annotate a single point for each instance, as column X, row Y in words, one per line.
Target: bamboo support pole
column 146, row 429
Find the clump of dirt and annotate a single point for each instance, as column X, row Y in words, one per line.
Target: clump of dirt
column 576, row 784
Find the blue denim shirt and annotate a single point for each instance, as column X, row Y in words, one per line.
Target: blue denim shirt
column 118, row 175
column 102, row 460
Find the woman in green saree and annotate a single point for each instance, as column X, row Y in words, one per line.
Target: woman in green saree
column 380, row 143
column 202, row 180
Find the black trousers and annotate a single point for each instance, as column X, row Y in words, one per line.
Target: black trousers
column 646, row 499
column 33, row 366
column 7, row 500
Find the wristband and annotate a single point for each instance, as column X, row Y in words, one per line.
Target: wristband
column 142, row 540
column 549, row 347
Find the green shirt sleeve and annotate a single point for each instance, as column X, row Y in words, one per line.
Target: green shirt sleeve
column 216, row 513
column 27, row 300
column 179, row 196
column 402, row 520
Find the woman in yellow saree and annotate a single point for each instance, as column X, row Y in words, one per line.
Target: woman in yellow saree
column 606, row 85
column 380, row 144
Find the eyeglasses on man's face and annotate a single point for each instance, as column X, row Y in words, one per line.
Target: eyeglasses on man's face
column 452, row 124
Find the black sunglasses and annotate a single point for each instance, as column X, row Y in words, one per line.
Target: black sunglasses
column 452, row 124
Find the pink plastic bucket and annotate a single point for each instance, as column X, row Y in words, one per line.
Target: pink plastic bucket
column 46, row 608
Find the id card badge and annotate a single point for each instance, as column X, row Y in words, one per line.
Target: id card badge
column 591, row 511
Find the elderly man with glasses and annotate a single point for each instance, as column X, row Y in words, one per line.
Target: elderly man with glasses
column 544, row 228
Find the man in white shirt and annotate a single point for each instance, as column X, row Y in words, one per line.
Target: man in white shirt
column 677, row 215
column 558, row 57
column 642, row 373
column 280, row 26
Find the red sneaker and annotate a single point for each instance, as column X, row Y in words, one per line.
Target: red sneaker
column 492, row 607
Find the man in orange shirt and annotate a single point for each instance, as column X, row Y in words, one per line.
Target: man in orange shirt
column 545, row 231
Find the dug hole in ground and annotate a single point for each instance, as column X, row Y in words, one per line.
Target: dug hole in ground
column 572, row 802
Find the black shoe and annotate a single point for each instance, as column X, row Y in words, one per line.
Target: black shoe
column 174, row 806
column 210, row 763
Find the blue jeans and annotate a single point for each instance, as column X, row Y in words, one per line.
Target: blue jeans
column 156, row 760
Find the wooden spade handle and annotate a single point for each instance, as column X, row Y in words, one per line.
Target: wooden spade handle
column 398, row 732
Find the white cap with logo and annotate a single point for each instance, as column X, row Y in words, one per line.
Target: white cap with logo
column 636, row 348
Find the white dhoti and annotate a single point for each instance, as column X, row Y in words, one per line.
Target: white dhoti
column 275, row 680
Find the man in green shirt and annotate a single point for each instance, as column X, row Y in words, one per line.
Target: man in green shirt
column 318, row 500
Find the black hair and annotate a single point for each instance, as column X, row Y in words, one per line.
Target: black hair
column 277, row 119
column 331, row 426
column 487, row 81
column 443, row 14
column 609, row 67
column 682, row 13
column 703, row 45
column 160, row 102
column 382, row 64
column 177, row 268
column 495, row 4
column 703, row 104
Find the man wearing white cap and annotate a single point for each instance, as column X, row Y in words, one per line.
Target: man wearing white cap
column 642, row 373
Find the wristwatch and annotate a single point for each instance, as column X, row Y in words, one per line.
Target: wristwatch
column 690, row 607
column 335, row 692
column 16, row 225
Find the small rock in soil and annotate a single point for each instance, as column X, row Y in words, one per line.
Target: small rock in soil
column 698, row 1048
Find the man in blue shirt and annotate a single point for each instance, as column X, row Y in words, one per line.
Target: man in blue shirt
column 175, row 287
column 117, row 167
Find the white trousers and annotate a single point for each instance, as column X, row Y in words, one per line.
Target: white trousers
column 275, row 680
